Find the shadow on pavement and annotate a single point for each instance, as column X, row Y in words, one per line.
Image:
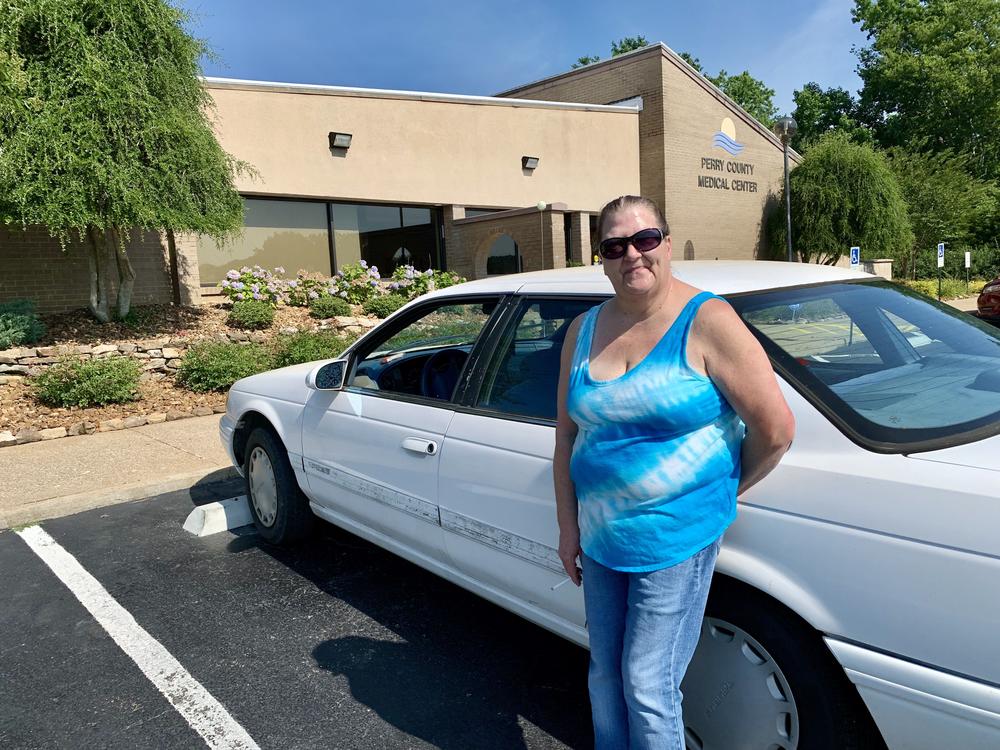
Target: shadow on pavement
column 454, row 670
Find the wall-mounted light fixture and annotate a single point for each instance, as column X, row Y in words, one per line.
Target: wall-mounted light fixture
column 340, row 140
column 529, row 162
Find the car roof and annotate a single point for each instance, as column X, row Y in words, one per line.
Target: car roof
column 718, row 276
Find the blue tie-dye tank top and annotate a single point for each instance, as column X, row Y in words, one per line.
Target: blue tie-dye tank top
column 656, row 461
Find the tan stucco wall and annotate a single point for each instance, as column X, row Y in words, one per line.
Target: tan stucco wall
column 408, row 150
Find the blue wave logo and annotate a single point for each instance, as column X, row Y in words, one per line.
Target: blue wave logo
column 726, row 143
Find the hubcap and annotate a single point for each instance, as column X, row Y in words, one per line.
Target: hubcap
column 735, row 694
column 263, row 490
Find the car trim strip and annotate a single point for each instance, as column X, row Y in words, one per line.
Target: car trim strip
column 505, row 541
column 410, row 504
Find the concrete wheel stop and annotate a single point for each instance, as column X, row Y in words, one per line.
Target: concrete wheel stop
column 224, row 515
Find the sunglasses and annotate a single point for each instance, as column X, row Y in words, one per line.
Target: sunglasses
column 644, row 240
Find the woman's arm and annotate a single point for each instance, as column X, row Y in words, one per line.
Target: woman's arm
column 737, row 364
column 566, row 508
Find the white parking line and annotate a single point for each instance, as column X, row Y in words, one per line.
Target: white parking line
column 202, row 712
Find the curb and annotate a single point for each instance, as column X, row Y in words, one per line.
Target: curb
column 56, row 507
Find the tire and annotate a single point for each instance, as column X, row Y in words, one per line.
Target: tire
column 762, row 678
column 280, row 510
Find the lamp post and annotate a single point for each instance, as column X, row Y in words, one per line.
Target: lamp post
column 541, row 206
column 785, row 128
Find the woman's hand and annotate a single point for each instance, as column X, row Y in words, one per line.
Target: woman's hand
column 570, row 552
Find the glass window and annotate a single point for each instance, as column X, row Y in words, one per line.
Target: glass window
column 384, row 236
column 504, row 256
column 426, row 357
column 287, row 234
column 897, row 368
column 524, row 377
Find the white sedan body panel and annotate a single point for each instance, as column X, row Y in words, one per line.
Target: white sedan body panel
column 498, row 510
column 361, row 460
column 894, row 559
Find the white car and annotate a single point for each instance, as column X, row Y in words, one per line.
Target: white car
column 857, row 596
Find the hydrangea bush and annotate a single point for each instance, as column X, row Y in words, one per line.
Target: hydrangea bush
column 356, row 282
column 411, row 283
column 255, row 283
column 306, row 288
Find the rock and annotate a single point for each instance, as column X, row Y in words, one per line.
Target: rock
column 78, row 428
column 85, row 349
column 219, row 409
column 258, row 337
column 222, row 336
column 109, row 425
column 177, row 343
column 127, row 348
column 137, row 421
column 7, row 438
column 10, row 379
column 155, row 353
column 39, row 360
column 239, row 336
column 171, row 353
column 53, row 433
column 355, row 330
column 64, row 350
column 344, row 320
column 47, row 351
column 28, row 436
column 368, row 322
column 140, row 355
column 203, row 411
column 35, row 371
column 155, row 364
column 156, row 418
column 173, row 364
column 177, row 414
column 289, row 330
column 97, row 351
column 152, row 376
column 14, row 370
column 6, row 358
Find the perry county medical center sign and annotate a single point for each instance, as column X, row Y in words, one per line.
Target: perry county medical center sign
column 727, row 174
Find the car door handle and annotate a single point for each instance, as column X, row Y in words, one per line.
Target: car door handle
column 420, row 445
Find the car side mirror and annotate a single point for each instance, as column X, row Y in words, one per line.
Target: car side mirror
column 328, row 377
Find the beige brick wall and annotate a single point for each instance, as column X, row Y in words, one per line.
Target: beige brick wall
column 681, row 113
column 540, row 238
column 32, row 265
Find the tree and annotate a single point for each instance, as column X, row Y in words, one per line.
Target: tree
column 620, row 47
column 105, row 128
column 628, row 44
column 943, row 203
column 932, row 71
column 843, row 194
column 693, row 61
column 750, row 93
column 817, row 112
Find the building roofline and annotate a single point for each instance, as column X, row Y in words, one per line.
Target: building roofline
column 664, row 51
column 424, row 96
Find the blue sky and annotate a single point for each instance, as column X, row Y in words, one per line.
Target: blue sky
column 484, row 48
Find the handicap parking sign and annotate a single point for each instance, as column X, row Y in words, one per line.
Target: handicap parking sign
column 855, row 257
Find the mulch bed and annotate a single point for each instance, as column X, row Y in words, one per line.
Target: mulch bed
column 20, row 411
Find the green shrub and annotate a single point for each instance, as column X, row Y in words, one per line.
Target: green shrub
column 307, row 287
column 328, row 307
column 89, row 382
column 254, row 284
column 356, row 282
column 251, row 314
column 309, row 347
column 950, row 288
column 214, row 366
column 384, row 306
column 19, row 324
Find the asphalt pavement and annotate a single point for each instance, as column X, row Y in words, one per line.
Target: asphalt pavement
column 335, row 644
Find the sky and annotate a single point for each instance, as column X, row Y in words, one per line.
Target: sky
column 483, row 48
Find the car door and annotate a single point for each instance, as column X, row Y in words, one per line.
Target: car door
column 496, row 494
column 371, row 451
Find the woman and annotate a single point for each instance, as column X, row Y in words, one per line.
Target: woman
column 655, row 389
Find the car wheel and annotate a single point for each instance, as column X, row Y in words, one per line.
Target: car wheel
column 280, row 511
column 762, row 678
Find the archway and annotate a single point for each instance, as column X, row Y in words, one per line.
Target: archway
column 503, row 256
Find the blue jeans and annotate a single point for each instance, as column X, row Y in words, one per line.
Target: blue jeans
column 644, row 628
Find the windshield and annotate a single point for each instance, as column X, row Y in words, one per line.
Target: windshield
column 895, row 370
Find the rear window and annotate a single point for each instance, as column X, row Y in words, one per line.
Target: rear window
column 895, row 370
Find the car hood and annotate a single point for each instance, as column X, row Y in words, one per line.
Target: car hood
column 286, row 383
column 982, row 454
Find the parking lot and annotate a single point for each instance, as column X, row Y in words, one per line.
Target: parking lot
column 336, row 644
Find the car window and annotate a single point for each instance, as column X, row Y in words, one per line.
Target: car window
column 427, row 355
column 898, row 368
column 523, row 376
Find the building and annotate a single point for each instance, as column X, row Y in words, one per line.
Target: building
column 475, row 185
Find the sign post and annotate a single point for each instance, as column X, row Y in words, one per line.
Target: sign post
column 968, row 264
column 940, row 266
column 855, row 258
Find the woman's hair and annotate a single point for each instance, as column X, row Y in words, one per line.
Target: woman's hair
column 624, row 202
